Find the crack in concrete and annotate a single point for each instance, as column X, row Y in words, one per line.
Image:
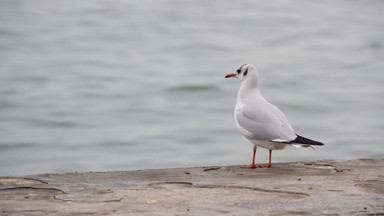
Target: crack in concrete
column 16, row 181
column 189, row 184
column 25, row 193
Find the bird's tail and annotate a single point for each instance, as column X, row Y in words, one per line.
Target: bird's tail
column 302, row 142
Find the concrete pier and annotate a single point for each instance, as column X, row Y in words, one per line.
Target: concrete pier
column 329, row 187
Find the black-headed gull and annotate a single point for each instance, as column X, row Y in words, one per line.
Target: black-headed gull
column 260, row 121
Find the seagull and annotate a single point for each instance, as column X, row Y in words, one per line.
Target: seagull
column 261, row 122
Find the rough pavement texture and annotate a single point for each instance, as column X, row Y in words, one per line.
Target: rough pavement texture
column 332, row 187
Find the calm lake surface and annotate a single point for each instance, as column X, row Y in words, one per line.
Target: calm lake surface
column 98, row 85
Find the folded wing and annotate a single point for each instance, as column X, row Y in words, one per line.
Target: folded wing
column 264, row 122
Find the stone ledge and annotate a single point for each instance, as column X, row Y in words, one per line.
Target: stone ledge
column 329, row 187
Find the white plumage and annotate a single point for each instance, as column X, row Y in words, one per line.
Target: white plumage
column 260, row 121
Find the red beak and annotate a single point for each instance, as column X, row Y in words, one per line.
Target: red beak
column 230, row 75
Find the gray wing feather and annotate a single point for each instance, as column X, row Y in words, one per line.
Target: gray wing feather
column 264, row 122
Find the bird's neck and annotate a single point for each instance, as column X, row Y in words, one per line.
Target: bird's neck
column 249, row 93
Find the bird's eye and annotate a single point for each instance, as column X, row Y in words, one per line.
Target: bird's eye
column 238, row 71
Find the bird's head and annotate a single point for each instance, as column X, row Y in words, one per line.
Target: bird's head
column 244, row 71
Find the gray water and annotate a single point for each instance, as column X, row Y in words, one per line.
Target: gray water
column 97, row 85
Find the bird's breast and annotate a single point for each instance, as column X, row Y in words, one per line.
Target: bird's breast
column 242, row 130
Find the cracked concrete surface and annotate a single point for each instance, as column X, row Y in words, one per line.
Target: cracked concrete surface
column 331, row 187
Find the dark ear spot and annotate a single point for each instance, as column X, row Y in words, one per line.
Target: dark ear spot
column 246, row 72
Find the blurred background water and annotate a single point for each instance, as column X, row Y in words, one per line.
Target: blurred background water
column 97, row 85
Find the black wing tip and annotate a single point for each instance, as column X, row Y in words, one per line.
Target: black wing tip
column 303, row 140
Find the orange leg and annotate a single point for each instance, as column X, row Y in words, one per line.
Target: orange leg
column 252, row 166
column 270, row 157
